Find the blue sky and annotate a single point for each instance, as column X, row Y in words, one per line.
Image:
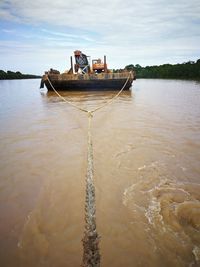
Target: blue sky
column 40, row 34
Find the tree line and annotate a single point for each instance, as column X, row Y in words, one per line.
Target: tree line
column 10, row 75
column 186, row 70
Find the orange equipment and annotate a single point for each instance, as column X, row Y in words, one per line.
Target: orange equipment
column 98, row 65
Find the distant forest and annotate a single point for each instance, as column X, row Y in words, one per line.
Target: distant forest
column 186, row 70
column 10, row 75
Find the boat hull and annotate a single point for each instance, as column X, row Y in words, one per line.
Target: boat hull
column 88, row 82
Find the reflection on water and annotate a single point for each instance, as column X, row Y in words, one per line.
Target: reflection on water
column 147, row 152
column 81, row 96
column 86, row 100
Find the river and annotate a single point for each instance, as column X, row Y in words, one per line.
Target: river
column 147, row 175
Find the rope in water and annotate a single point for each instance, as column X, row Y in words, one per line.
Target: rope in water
column 91, row 252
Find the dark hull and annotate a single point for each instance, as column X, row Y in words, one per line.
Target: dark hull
column 87, row 83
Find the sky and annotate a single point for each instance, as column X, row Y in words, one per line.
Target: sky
column 36, row 35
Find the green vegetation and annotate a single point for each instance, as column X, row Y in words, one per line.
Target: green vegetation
column 187, row 70
column 10, row 75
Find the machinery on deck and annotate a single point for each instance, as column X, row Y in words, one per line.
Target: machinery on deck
column 82, row 64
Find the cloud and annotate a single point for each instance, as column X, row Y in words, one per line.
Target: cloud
column 10, row 31
column 6, row 14
column 145, row 32
column 68, row 35
column 102, row 16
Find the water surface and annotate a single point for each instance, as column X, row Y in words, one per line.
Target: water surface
column 147, row 175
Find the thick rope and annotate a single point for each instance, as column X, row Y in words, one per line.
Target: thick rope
column 91, row 253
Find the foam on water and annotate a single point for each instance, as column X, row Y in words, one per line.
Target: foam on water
column 172, row 208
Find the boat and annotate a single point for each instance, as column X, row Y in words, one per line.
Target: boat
column 84, row 76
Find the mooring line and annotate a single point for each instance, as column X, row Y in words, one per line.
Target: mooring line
column 91, row 251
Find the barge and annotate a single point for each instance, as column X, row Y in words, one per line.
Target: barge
column 83, row 76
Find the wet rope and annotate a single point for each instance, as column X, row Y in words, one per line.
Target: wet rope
column 91, row 252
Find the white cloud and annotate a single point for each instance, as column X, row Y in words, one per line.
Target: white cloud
column 8, row 31
column 104, row 15
column 145, row 32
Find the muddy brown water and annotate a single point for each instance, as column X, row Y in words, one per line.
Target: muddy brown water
column 147, row 175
